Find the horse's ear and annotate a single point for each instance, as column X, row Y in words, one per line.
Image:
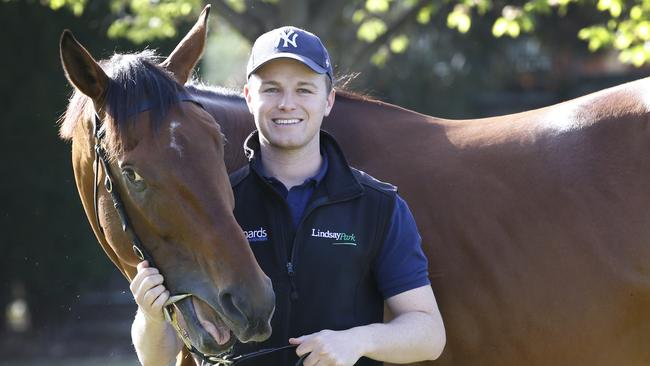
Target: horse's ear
column 80, row 67
column 188, row 52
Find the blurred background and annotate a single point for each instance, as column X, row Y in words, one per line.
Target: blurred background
column 61, row 300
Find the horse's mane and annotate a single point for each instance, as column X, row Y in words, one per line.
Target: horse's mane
column 197, row 87
column 135, row 80
column 356, row 96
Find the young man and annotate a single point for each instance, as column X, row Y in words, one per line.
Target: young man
column 336, row 243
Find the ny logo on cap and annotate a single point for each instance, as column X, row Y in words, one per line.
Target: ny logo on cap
column 286, row 36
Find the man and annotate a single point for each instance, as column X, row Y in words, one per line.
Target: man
column 335, row 242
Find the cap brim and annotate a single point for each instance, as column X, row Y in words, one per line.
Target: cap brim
column 305, row 60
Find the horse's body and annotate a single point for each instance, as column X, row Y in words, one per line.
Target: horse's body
column 536, row 224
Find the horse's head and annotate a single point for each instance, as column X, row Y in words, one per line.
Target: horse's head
column 166, row 157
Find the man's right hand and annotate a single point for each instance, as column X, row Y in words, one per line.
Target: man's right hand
column 149, row 292
column 154, row 339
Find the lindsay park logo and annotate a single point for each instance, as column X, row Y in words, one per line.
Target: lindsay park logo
column 256, row 235
column 341, row 238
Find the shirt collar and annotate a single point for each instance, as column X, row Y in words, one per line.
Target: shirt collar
column 339, row 179
column 315, row 179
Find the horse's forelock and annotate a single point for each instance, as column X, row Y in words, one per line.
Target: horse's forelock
column 137, row 84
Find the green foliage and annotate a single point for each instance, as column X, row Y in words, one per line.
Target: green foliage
column 399, row 44
column 148, row 20
column 237, row 5
column 76, row 6
column 377, row 6
column 622, row 25
column 460, row 18
column 628, row 30
column 370, row 29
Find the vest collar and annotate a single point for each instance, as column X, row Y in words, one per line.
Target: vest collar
column 339, row 181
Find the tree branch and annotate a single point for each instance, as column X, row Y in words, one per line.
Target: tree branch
column 264, row 13
column 321, row 24
column 294, row 12
column 247, row 25
column 393, row 28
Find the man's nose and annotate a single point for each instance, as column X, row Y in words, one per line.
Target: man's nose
column 287, row 102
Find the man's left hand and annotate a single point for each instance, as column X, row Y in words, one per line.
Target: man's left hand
column 329, row 348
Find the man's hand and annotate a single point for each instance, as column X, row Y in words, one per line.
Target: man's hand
column 415, row 334
column 154, row 339
column 329, row 348
column 149, row 292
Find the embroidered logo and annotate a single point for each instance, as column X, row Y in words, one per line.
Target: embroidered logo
column 341, row 238
column 256, row 235
column 286, row 36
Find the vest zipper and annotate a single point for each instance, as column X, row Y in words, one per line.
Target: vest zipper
column 292, row 280
column 289, row 265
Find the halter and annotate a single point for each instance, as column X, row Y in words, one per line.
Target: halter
column 222, row 359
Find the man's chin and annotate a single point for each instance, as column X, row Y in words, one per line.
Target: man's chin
column 289, row 142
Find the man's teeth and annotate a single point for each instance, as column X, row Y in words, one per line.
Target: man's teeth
column 286, row 121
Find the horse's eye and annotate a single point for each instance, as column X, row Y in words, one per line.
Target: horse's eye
column 134, row 178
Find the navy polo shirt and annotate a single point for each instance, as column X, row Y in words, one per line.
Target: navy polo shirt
column 401, row 265
column 298, row 197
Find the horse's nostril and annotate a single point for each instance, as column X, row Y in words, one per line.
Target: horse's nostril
column 229, row 306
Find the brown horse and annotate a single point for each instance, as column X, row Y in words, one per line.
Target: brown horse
column 535, row 224
column 166, row 159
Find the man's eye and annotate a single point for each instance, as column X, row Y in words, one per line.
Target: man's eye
column 304, row 91
column 270, row 90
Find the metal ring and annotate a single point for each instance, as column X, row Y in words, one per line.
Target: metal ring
column 108, row 183
column 138, row 252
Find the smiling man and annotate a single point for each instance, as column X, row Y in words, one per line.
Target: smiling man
column 336, row 243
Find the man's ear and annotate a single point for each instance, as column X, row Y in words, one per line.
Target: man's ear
column 331, row 97
column 247, row 96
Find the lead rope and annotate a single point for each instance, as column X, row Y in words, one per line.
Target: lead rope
column 238, row 359
column 223, row 359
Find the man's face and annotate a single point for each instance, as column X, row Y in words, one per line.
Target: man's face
column 288, row 101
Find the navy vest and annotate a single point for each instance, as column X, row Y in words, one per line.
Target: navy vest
column 322, row 273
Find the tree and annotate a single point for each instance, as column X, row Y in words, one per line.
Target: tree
column 384, row 26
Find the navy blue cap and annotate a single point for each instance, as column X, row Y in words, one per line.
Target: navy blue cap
column 290, row 42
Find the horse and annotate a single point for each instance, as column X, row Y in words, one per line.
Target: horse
column 535, row 224
column 133, row 125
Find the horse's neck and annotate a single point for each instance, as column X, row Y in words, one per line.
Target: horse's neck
column 235, row 120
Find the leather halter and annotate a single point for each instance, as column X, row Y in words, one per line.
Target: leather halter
column 222, row 359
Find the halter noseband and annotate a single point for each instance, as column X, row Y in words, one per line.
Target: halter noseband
column 222, row 359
